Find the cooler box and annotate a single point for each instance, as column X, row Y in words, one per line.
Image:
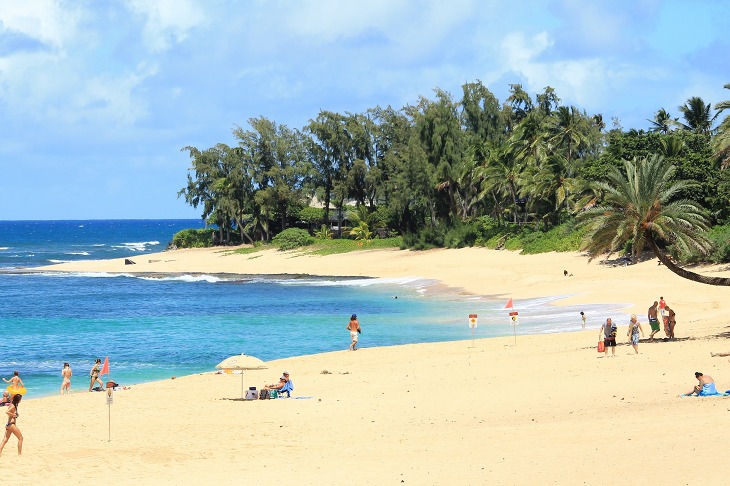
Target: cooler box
column 252, row 394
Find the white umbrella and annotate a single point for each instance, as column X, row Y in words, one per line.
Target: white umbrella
column 241, row 362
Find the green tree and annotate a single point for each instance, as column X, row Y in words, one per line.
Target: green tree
column 721, row 143
column 662, row 122
column 640, row 206
column 697, row 116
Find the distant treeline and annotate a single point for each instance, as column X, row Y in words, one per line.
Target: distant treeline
column 441, row 171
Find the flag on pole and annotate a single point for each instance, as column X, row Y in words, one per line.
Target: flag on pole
column 509, row 304
column 105, row 368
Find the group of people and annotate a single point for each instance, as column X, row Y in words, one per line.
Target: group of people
column 609, row 330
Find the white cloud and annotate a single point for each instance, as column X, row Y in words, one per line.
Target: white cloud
column 167, row 21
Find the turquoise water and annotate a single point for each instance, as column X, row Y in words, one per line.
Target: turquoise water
column 155, row 328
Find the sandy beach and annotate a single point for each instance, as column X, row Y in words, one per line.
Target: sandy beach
column 548, row 410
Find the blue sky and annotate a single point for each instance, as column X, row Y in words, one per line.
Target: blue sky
column 98, row 97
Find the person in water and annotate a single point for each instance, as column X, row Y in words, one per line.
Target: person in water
column 15, row 381
column 11, row 427
column 705, row 387
column 66, row 373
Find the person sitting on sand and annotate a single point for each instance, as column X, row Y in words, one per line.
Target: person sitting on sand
column 6, row 399
column 705, row 387
column 15, row 381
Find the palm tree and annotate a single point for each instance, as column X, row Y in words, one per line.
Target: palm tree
column 697, row 116
column 662, row 122
column 641, row 205
column 721, row 143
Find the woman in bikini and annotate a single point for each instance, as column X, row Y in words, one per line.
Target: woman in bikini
column 94, row 375
column 66, row 373
column 15, row 382
column 11, row 427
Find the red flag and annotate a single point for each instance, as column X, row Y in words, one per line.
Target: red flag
column 509, row 304
column 105, row 368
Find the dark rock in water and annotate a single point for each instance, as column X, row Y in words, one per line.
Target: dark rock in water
column 127, row 261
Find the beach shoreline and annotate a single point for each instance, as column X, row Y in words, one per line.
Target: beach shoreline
column 482, row 412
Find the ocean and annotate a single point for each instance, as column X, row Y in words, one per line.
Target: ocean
column 156, row 328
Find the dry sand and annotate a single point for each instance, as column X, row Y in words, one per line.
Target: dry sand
column 549, row 410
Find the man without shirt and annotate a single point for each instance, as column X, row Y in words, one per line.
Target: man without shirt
column 653, row 321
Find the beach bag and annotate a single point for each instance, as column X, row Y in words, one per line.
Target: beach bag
column 273, row 394
column 264, row 395
column 601, row 347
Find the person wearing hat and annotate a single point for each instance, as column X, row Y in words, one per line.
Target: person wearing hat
column 354, row 327
column 282, row 382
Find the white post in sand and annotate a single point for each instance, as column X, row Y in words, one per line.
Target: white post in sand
column 109, row 401
column 472, row 326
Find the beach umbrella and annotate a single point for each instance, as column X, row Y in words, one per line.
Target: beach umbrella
column 241, row 362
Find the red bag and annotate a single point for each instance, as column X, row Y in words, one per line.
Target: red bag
column 601, row 347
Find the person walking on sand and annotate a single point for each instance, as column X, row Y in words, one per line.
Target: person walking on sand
column 15, row 381
column 662, row 305
column 634, row 330
column 583, row 319
column 66, row 373
column 608, row 331
column 354, row 327
column 94, row 375
column 653, row 320
column 11, row 427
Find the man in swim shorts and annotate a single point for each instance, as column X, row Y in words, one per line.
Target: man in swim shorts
column 705, row 387
column 608, row 331
column 354, row 327
column 653, row 321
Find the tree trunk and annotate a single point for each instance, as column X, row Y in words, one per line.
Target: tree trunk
column 695, row 277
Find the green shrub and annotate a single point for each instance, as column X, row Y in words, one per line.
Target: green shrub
column 465, row 234
column 292, row 238
column 194, row 238
column 311, row 215
column 425, row 239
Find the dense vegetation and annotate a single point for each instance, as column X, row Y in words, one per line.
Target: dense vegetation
column 447, row 172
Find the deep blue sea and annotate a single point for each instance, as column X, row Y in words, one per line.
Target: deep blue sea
column 155, row 328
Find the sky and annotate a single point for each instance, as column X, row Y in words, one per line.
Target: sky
column 97, row 98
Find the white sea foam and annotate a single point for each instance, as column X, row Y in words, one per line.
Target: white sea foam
column 2, row 248
column 347, row 282
column 53, row 260
column 137, row 246
column 186, row 278
column 86, row 253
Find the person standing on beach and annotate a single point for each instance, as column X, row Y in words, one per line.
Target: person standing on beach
column 354, row 327
column 671, row 318
column 608, row 331
column 653, row 320
column 583, row 319
column 15, row 381
column 634, row 330
column 11, row 427
column 66, row 373
column 94, row 375
column 662, row 305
